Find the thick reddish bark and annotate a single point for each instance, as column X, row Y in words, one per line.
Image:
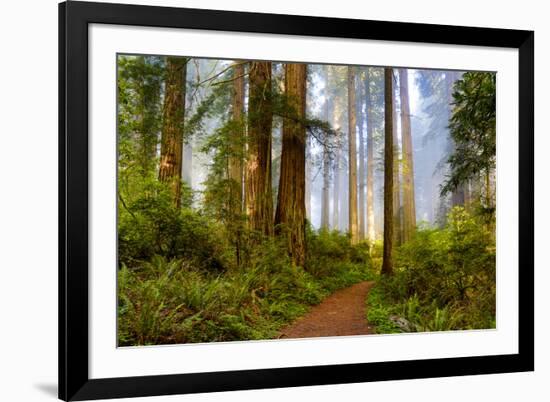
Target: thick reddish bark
column 290, row 217
column 258, row 194
column 172, row 126
column 387, row 261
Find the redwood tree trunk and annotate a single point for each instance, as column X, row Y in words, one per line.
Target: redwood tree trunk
column 290, row 216
column 325, row 199
column 259, row 199
column 235, row 163
column 370, row 162
column 387, row 261
column 362, row 184
column 308, row 181
column 409, row 209
column 236, row 154
column 397, row 231
column 352, row 159
column 338, row 152
column 172, row 126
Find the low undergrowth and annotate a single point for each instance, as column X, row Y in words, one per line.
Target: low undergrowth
column 444, row 279
column 180, row 300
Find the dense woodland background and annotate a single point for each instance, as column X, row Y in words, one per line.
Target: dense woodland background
column 249, row 191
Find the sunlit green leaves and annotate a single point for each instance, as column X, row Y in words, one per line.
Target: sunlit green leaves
column 473, row 129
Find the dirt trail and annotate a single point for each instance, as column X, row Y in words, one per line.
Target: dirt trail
column 342, row 313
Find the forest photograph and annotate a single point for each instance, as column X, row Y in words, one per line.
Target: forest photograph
column 265, row 200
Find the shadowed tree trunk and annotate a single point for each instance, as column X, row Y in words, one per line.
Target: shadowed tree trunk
column 237, row 140
column 172, row 126
column 488, row 195
column 409, row 209
column 337, row 161
column 370, row 161
column 236, row 158
column 308, row 181
column 290, row 216
column 325, row 198
column 362, row 184
column 397, row 212
column 352, row 160
column 259, row 199
column 387, row 261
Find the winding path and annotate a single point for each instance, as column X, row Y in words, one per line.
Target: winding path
column 342, row 313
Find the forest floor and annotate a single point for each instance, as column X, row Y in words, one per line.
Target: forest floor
column 342, row 313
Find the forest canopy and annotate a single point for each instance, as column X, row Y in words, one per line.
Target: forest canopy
column 250, row 191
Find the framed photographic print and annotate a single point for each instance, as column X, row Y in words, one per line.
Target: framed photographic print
column 258, row 200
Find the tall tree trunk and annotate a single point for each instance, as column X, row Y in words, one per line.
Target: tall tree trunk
column 362, row 184
column 467, row 194
column 344, row 188
column 352, row 160
column 397, row 211
column 387, row 261
column 409, row 209
column 172, row 126
column 488, row 197
column 259, row 199
column 337, row 162
column 308, row 182
column 235, row 168
column 370, row 161
column 187, row 163
column 237, row 139
column 325, row 199
column 290, row 216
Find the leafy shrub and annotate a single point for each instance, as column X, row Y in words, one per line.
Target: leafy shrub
column 325, row 248
column 150, row 224
column 445, row 279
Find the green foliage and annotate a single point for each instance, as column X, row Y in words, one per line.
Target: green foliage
column 444, row 279
column 149, row 223
column 212, row 105
column 139, row 110
column 324, row 248
column 219, row 197
column 164, row 300
column 379, row 312
column 473, row 129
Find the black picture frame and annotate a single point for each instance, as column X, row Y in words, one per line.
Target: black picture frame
column 74, row 381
